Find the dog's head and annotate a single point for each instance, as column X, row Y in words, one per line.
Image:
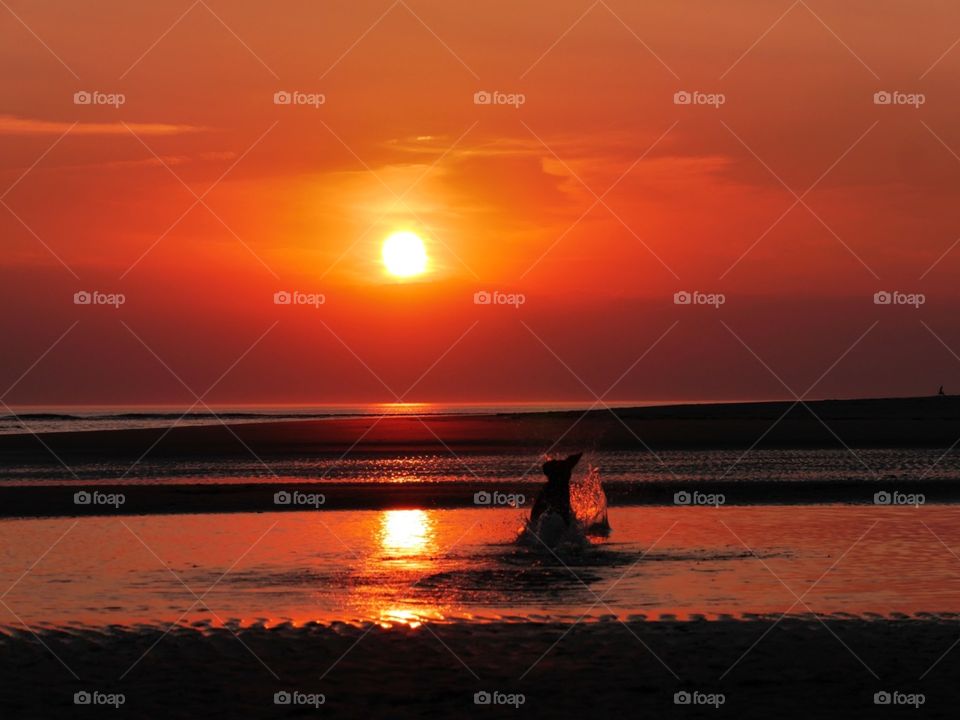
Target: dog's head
column 561, row 469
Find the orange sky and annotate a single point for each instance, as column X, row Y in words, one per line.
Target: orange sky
column 301, row 198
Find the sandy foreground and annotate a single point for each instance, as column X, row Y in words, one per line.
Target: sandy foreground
column 799, row 667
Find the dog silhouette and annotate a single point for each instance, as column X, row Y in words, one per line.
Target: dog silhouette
column 555, row 495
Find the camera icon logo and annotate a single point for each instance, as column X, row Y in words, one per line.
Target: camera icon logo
column 282, row 498
column 882, row 698
column 882, row 498
column 681, row 498
column 82, row 698
column 482, row 698
column 682, row 97
column 282, row 297
column 682, row 698
column 882, row 97
column 482, row 297
column 282, row 698
column 482, row 97
column 82, row 297
column 682, row 298
column 82, row 97
column 482, row 498
column 882, row 298
column 282, row 97
column 82, row 498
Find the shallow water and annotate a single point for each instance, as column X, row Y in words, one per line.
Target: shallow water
column 640, row 466
column 442, row 565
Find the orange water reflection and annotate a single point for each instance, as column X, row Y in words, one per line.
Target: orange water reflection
column 402, row 408
column 407, row 567
column 406, row 532
column 406, row 552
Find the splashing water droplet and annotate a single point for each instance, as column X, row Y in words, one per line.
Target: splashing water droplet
column 589, row 503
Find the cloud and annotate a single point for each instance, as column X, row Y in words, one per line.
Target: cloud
column 12, row 125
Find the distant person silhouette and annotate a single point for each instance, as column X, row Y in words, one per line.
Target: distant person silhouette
column 941, row 391
column 555, row 495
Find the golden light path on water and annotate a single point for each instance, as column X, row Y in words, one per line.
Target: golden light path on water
column 406, row 531
column 407, row 541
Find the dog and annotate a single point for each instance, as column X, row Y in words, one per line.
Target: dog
column 555, row 495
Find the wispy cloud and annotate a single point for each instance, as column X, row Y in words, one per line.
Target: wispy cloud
column 12, row 125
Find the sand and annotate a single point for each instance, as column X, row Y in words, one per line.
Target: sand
column 54, row 500
column 798, row 668
column 899, row 422
column 596, row 670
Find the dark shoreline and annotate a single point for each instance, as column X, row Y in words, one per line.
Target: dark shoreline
column 896, row 422
column 52, row 500
column 796, row 668
column 900, row 422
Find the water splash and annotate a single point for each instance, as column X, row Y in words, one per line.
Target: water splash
column 589, row 503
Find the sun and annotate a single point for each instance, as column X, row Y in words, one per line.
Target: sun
column 404, row 254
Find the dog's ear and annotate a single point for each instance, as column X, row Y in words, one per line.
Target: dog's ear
column 572, row 460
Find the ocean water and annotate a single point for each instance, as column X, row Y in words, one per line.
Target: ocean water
column 40, row 418
column 412, row 566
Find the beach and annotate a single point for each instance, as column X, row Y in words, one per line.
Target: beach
column 894, row 422
column 370, row 566
column 412, row 359
column 751, row 453
column 796, row 668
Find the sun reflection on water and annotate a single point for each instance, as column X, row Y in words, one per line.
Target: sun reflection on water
column 403, row 408
column 406, row 532
column 411, row 617
column 407, row 542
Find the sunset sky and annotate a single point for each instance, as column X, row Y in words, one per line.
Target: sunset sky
column 509, row 199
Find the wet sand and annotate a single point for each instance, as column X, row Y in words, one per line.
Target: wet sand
column 800, row 668
column 897, row 422
column 55, row 500
column 904, row 422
